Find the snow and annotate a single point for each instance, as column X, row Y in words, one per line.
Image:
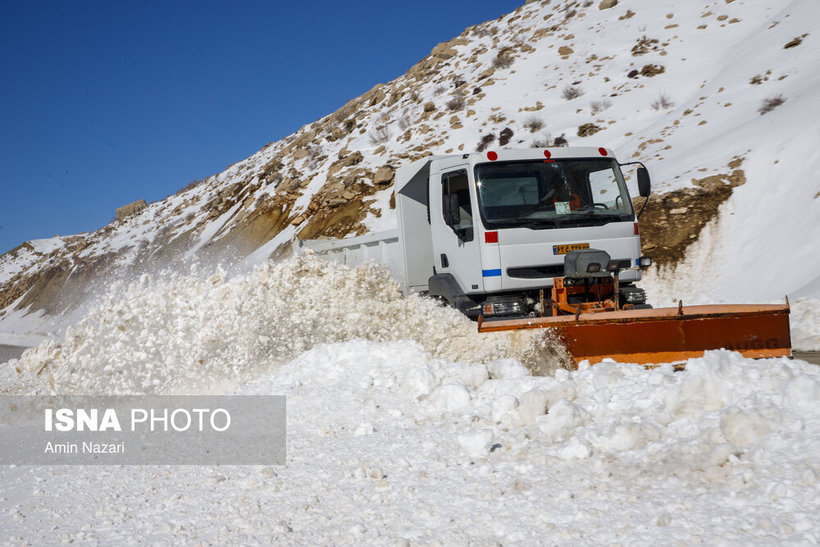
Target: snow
column 177, row 333
column 804, row 320
column 406, row 425
column 32, row 252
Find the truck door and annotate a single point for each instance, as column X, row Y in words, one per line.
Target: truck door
column 455, row 246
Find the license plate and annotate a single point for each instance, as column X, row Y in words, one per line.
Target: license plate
column 564, row 249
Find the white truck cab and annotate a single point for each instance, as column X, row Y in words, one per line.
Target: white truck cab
column 487, row 232
column 498, row 224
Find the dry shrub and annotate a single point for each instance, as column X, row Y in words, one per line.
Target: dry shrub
column 380, row 136
column 770, row 104
column 486, row 140
column 572, row 92
column 502, row 61
column 597, row 107
column 662, row 103
column 644, row 45
column 505, row 136
column 190, row 185
column 588, row 129
column 560, row 141
column 534, row 124
column 457, row 102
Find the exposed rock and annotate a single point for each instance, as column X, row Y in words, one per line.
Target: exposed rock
column 130, row 209
column 606, row 4
column 443, row 51
column 565, row 51
column 645, row 45
column 674, row 220
column 352, row 159
column 794, row 43
column 486, row 73
column 384, row 175
column 652, row 70
column 588, row 129
column 374, row 96
column 505, row 136
column 258, row 226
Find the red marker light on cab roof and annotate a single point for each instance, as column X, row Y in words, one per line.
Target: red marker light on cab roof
column 492, row 156
column 547, row 154
column 490, row 237
column 602, row 151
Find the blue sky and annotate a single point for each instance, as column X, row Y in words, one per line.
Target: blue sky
column 104, row 103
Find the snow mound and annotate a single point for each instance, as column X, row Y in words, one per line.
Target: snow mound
column 616, row 441
column 396, row 441
column 205, row 334
column 805, row 324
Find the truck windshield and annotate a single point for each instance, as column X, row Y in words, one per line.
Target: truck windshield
column 547, row 194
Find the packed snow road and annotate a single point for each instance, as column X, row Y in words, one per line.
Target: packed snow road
column 808, row 356
column 401, row 433
column 10, row 352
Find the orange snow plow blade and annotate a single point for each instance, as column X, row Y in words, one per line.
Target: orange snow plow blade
column 665, row 335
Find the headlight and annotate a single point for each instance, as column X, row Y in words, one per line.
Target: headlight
column 633, row 295
column 503, row 307
column 616, row 265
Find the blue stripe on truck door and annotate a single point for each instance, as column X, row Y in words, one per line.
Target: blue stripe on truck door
column 491, row 273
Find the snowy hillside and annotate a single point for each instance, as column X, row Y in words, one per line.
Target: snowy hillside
column 679, row 86
column 405, row 425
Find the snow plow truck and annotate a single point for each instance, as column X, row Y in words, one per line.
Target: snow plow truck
column 548, row 238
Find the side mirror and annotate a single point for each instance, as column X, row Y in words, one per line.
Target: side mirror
column 644, row 184
column 453, row 210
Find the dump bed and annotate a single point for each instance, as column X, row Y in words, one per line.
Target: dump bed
column 380, row 247
column 406, row 251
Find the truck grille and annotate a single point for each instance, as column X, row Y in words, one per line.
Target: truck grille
column 536, row 272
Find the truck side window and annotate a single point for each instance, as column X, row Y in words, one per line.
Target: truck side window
column 456, row 207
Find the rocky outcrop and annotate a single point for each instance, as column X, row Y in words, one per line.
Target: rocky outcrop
column 674, row 220
column 132, row 208
column 384, row 175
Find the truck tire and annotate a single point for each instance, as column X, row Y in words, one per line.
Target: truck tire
column 446, row 287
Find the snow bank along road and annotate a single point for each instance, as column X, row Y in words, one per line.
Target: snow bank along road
column 406, row 426
column 808, row 356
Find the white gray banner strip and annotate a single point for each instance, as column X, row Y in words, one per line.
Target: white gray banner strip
column 155, row 429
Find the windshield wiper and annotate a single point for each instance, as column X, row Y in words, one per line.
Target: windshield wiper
column 538, row 224
column 534, row 208
column 545, row 201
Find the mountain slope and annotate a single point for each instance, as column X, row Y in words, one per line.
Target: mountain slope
column 681, row 87
column 404, row 423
